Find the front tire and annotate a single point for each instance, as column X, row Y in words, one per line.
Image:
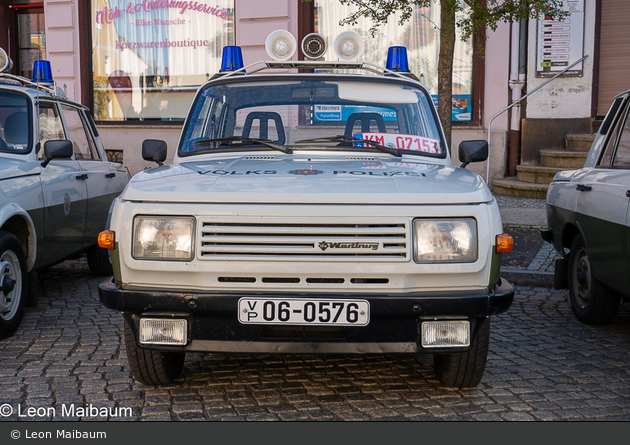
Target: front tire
column 152, row 367
column 591, row 302
column 13, row 283
column 99, row 261
column 464, row 369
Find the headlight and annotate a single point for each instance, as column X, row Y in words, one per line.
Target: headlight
column 445, row 240
column 166, row 238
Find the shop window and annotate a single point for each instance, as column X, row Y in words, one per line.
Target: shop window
column 420, row 34
column 149, row 58
column 31, row 36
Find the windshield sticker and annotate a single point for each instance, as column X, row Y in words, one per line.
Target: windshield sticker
column 401, row 141
column 327, row 112
column 330, row 113
column 18, row 147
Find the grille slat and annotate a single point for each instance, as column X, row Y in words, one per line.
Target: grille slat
column 280, row 239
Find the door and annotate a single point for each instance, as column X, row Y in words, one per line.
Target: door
column 99, row 176
column 603, row 208
column 614, row 52
column 65, row 195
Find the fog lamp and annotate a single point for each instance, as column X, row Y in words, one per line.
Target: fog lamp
column 445, row 334
column 155, row 331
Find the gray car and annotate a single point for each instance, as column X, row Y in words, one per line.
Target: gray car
column 587, row 214
column 56, row 188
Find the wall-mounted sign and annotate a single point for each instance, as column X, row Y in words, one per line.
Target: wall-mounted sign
column 560, row 43
column 149, row 56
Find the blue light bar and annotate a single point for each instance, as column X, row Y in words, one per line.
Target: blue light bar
column 42, row 71
column 397, row 59
column 232, row 58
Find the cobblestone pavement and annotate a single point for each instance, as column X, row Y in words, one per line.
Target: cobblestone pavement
column 543, row 365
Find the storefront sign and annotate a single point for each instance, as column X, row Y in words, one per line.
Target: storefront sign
column 561, row 42
column 149, row 57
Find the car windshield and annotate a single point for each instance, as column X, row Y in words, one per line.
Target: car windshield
column 313, row 113
column 14, row 123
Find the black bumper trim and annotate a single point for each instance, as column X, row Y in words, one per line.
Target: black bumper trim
column 495, row 301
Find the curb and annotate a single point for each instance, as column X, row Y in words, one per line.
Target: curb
column 520, row 277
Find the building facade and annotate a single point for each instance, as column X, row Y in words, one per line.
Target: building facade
column 137, row 63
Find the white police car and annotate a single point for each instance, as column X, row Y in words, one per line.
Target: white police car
column 308, row 212
column 56, row 186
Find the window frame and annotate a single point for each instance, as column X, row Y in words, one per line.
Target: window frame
column 619, row 118
column 91, row 145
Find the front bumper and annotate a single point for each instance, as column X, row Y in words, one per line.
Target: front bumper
column 394, row 320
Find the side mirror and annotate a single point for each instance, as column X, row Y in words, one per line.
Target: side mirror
column 58, row 149
column 473, row 151
column 154, row 150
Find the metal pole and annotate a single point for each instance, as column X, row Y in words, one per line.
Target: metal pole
column 516, row 102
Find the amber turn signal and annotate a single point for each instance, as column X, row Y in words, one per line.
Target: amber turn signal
column 106, row 240
column 505, row 243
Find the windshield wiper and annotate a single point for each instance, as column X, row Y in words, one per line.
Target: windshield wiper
column 343, row 138
column 265, row 142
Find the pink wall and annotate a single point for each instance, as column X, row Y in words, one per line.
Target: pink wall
column 256, row 19
column 496, row 95
column 62, row 44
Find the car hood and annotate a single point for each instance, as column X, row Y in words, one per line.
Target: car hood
column 298, row 179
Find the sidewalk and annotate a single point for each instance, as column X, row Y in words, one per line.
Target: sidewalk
column 532, row 261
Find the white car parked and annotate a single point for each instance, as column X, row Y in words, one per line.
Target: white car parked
column 56, row 188
column 308, row 212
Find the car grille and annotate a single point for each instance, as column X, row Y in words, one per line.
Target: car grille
column 304, row 239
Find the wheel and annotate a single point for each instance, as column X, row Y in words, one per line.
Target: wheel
column 99, row 261
column 13, row 283
column 152, row 367
column 464, row 369
column 591, row 301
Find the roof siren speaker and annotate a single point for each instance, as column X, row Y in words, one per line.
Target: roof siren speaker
column 348, row 46
column 280, row 45
column 6, row 64
column 314, row 45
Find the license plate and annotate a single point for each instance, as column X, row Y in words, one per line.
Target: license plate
column 298, row 311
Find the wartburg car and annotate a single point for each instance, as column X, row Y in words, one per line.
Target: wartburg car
column 56, row 188
column 587, row 215
column 313, row 213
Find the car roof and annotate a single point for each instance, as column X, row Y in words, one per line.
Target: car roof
column 282, row 75
column 622, row 94
column 10, row 84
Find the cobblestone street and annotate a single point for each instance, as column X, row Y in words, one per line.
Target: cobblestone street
column 543, row 365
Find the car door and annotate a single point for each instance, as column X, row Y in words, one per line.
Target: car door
column 119, row 176
column 602, row 207
column 65, row 194
column 98, row 175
